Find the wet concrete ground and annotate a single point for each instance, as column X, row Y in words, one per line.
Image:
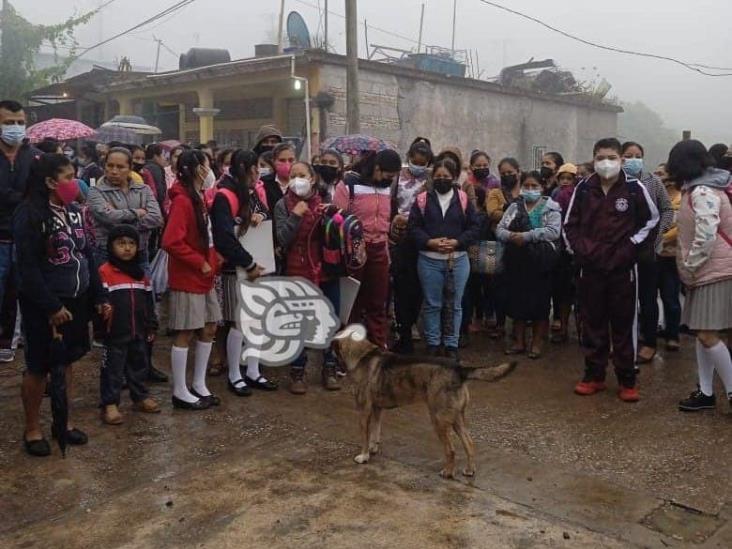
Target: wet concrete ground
column 275, row 470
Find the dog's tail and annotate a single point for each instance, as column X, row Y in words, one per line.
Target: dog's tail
column 487, row 373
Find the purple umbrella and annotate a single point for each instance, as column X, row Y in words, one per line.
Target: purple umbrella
column 356, row 144
column 105, row 134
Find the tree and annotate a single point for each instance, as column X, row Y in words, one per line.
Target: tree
column 19, row 45
column 642, row 124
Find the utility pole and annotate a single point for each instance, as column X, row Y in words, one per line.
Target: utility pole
column 454, row 17
column 3, row 28
column 326, row 26
column 157, row 55
column 281, row 26
column 421, row 26
column 352, row 99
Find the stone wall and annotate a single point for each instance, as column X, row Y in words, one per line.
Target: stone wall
column 398, row 108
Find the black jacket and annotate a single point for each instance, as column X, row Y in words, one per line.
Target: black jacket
column 55, row 258
column 455, row 224
column 158, row 175
column 225, row 228
column 13, row 178
column 133, row 308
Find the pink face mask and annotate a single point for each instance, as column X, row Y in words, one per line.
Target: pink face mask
column 283, row 169
column 67, row 191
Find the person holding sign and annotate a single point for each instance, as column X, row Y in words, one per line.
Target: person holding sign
column 237, row 207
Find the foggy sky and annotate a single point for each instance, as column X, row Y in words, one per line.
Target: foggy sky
column 696, row 32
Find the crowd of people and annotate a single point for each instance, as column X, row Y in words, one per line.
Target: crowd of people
column 446, row 247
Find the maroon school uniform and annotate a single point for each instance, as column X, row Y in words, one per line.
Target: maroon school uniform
column 605, row 232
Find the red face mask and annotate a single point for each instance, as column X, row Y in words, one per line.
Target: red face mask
column 283, row 169
column 67, row 191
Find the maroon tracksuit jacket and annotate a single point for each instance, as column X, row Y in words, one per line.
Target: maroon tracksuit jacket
column 604, row 232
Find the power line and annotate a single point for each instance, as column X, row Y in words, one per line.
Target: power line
column 691, row 66
column 172, row 9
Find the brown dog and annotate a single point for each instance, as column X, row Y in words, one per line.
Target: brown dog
column 385, row 380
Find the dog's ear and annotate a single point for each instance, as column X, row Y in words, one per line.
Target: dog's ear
column 351, row 345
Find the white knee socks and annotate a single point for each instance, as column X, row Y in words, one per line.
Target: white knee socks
column 200, row 365
column 709, row 359
column 253, row 368
column 178, row 360
column 234, row 342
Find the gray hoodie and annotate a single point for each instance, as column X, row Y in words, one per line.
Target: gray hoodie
column 111, row 206
column 712, row 177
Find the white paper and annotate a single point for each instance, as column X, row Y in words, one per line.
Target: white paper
column 349, row 288
column 258, row 242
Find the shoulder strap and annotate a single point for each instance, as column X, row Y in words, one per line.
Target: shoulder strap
column 422, row 201
column 351, row 194
column 463, row 200
column 232, row 199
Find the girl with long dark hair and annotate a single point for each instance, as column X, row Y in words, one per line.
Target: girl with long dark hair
column 366, row 193
column 58, row 283
column 192, row 266
column 236, row 207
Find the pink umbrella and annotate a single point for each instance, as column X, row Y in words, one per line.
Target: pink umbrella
column 170, row 144
column 59, row 129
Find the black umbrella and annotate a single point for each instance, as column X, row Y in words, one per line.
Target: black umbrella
column 59, row 402
column 448, row 299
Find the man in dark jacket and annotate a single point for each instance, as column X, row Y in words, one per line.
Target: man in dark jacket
column 15, row 162
column 609, row 218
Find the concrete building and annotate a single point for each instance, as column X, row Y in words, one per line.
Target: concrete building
column 230, row 101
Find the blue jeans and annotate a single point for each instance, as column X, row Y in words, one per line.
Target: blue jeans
column 332, row 290
column 8, row 291
column 432, row 275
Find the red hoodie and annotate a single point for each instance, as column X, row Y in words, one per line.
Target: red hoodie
column 185, row 250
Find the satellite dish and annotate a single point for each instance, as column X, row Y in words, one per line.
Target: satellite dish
column 297, row 31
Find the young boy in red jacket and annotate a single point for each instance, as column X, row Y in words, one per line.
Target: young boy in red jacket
column 131, row 326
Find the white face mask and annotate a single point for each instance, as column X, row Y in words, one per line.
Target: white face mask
column 607, row 169
column 300, row 186
column 209, row 181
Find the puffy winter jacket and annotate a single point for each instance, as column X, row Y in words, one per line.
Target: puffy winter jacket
column 133, row 308
column 705, row 230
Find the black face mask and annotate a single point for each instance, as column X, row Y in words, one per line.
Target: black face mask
column 259, row 149
column 137, row 167
column 546, row 172
column 442, row 186
column 328, row 173
column 481, row 173
column 509, row 181
column 384, row 183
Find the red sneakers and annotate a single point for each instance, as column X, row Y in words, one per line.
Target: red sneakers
column 628, row 394
column 587, row 388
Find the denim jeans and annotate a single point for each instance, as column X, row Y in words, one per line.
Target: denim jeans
column 433, row 275
column 669, row 286
column 8, row 290
column 332, row 290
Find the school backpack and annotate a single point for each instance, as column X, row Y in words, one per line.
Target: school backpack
column 344, row 247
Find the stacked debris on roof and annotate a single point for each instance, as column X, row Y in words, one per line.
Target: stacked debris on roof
column 540, row 77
